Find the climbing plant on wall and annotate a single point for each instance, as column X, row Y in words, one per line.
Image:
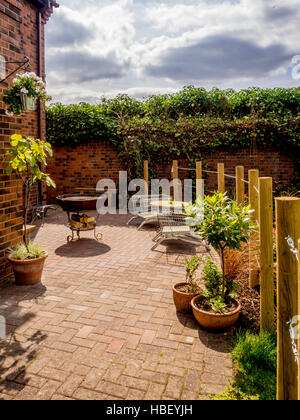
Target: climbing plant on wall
column 165, row 127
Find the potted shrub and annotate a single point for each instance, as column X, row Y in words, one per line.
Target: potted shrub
column 184, row 292
column 225, row 225
column 26, row 89
column 27, row 155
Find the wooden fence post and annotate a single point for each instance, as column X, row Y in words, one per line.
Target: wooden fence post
column 199, row 180
column 288, row 224
column 266, row 254
column 175, row 179
column 299, row 314
column 240, row 185
column 146, row 176
column 221, row 178
column 254, row 239
column 299, row 319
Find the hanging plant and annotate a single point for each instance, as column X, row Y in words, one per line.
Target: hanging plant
column 26, row 89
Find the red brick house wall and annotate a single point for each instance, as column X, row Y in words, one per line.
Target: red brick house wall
column 85, row 165
column 18, row 38
column 82, row 166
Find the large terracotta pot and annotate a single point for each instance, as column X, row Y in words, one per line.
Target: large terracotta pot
column 28, row 272
column 182, row 300
column 212, row 321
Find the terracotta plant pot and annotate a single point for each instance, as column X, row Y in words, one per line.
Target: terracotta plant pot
column 183, row 300
column 28, row 272
column 212, row 321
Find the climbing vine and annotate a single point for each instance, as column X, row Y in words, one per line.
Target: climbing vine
column 183, row 125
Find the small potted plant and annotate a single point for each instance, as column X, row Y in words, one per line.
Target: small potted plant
column 27, row 155
column 26, row 89
column 184, row 292
column 225, row 225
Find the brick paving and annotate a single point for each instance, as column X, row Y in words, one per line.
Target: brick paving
column 103, row 324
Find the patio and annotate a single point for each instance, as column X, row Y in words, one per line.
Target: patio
column 103, row 324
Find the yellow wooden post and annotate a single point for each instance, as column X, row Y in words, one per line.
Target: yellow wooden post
column 266, row 254
column 288, row 224
column 146, row 176
column 221, row 178
column 254, row 239
column 199, row 180
column 298, row 344
column 175, row 180
column 240, row 186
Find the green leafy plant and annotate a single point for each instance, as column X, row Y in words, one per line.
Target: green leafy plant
column 29, row 252
column 224, row 225
column 255, row 360
column 213, row 287
column 191, row 267
column 182, row 125
column 27, row 157
column 233, row 393
column 213, row 284
column 26, row 83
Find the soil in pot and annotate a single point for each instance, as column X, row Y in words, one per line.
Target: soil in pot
column 28, row 272
column 182, row 298
column 211, row 320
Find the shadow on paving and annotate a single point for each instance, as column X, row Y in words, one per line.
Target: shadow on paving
column 14, row 354
column 83, row 248
column 212, row 340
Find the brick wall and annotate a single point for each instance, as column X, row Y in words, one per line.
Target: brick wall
column 82, row 166
column 85, row 165
column 18, row 37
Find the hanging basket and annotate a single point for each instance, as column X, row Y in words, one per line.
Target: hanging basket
column 28, row 103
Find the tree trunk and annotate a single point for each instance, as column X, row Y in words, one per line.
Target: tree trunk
column 223, row 273
column 27, row 201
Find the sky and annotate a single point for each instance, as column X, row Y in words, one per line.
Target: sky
column 102, row 48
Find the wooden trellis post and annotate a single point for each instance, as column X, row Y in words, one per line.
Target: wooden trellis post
column 175, row 179
column 146, row 176
column 199, row 180
column 254, row 239
column 240, row 185
column 288, row 292
column 221, row 178
column 298, row 310
column 266, row 254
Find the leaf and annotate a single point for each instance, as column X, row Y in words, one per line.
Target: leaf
column 49, row 181
column 16, row 137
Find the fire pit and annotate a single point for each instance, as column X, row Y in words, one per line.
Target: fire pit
column 76, row 204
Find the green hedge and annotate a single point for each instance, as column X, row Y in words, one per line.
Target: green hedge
column 183, row 124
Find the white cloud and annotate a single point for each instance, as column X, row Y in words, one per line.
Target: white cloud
column 127, row 37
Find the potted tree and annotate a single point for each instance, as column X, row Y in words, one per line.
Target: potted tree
column 184, row 292
column 225, row 225
column 26, row 89
column 27, row 155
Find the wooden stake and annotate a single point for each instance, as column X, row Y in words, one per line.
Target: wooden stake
column 175, row 179
column 266, row 254
column 221, row 178
column 240, row 186
column 299, row 314
column 199, row 180
column 254, row 239
column 146, row 176
column 288, row 223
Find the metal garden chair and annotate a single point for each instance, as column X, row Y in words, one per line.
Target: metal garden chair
column 146, row 212
column 178, row 227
